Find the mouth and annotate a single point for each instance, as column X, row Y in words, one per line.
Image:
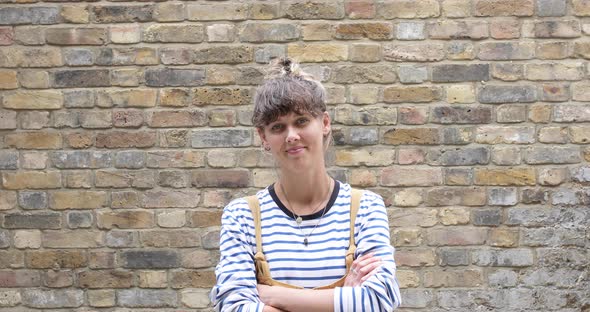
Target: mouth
column 295, row 150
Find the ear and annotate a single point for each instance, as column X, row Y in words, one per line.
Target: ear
column 326, row 123
column 261, row 134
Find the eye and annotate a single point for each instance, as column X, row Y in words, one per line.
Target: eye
column 276, row 127
column 302, row 121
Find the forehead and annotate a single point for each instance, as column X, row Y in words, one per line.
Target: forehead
column 292, row 115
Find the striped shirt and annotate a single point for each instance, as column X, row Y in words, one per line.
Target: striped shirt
column 320, row 263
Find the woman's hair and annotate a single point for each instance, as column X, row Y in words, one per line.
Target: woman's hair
column 287, row 89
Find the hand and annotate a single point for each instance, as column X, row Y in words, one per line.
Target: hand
column 361, row 269
column 265, row 293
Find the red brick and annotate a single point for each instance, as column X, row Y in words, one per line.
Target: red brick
column 360, row 8
column 6, row 35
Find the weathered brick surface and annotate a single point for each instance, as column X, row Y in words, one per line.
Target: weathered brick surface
column 126, row 129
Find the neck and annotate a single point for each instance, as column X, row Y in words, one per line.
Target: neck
column 304, row 192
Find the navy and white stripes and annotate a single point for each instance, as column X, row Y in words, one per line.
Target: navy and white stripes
column 318, row 264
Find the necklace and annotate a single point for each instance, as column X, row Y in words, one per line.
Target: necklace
column 299, row 219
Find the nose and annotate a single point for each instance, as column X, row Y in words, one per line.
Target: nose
column 292, row 135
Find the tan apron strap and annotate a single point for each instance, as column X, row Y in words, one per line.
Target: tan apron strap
column 355, row 203
column 255, row 208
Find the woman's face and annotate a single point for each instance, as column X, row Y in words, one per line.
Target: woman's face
column 297, row 140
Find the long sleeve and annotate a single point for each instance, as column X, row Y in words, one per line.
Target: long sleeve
column 236, row 278
column 381, row 291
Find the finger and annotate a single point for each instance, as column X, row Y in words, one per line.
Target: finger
column 368, row 275
column 368, row 261
column 368, row 268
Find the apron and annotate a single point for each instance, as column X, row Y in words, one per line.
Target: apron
column 262, row 268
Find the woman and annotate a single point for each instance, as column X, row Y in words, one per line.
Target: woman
column 296, row 234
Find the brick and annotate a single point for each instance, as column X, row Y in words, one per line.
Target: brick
column 175, row 159
column 125, row 34
column 411, row 156
column 172, row 219
column 31, row 180
column 220, row 138
column 453, row 216
column 111, row 56
column 366, row 157
column 174, row 33
column 460, row 50
column 460, row 94
column 32, row 200
column 413, row 115
column 9, row 160
column 500, row 237
column 487, row 217
column 552, row 177
column 78, row 57
column 81, row 78
column 7, row 119
column 192, row 279
column 507, row 94
column 176, row 118
column 101, row 298
column 174, row 97
column 201, row 219
column 222, row 33
column 224, row 55
column 540, row 113
column 149, row 259
column 453, row 278
column 407, row 237
column 459, row 73
column 508, row 71
column 580, row 91
column 505, row 176
column 124, row 199
column 458, row 30
column 8, row 200
column 59, row 200
column 554, row 71
column 142, row 179
column 456, row 236
column 6, row 35
column 557, row 29
column 318, row 52
column 456, row 8
column 415, row 257
column 551, row 7
column 579, row 134
column 510, row 113
column 11, row 259
column 317, row 31
column 412, row 94
column 457, row 136
column 534, row 196
column 170, row 199
column 130, row 159
column 105, row 279
column 170, row 238
column 261, row 32
column 119, row 139
column 461, row 115
column 504, row 8
column 364, row 74
column 217, row 11
column 358, row 9
column 314, row 9
column 552, row 92
column 552, row 155
column 407, row 9
column 462, row 157
column 362, row 178
column 72, row 239
column 169, row 12
column 79, row 179
column 34, row 100
column 414, row 52
column 147, row 298
column 29, row 15
column 125, row 220
column 411, row 177
column 458, row 176
column 497, row 257
column 10, row 298
column 75, row 14
column 553, row 135
column 422, row 217
column 505, row 156
column 412, row 74
column 76, row 36
column 8, row 79
column 20, row 278
column 220, row 178
column 553, row 50
column 174, row 77
column 195, row 298
column 372, row 30
column 449, row 196
column 79, row 219
column 571, row 113
column 506, row 50
column 122, row 14
column 34, row 120
column 580, row 8
column 56, row 259
column 51, row 299
column 505, row 29
column 118, row 239
column 221, row 158
column 420, row 136
column 79, row 140
column 153, row 279
column 410, row 31
column 222, row 118
column 265, row 11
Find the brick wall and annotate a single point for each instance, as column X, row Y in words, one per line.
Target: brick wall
column 125, row 129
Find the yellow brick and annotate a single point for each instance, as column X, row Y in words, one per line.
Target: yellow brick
column 318, row 52
column 8, row 79
column 504, row 238
column 75, row 14
column 460, row 94
column 31, row 180
column 77, row 200
column 34, row 100
column 407, row 279
column 508, row 176
column 34, row 140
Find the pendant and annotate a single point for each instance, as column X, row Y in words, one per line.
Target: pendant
column 299, row 220
column 305, row 242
